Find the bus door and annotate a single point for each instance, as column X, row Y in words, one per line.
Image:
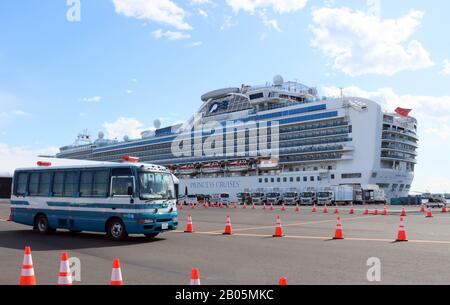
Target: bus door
column 123, row 188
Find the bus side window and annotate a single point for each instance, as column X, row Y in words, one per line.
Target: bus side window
column 70, row 184
column 120, row 185
column 58, row 184
column 21, row 184
column 34, row 184
column 44, row 184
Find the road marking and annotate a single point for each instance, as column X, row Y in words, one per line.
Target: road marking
column 323, row 238
column 292, row 224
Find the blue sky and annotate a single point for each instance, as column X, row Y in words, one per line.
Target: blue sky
column 128, row 62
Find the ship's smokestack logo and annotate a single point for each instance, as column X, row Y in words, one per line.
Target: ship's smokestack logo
column 228, row 139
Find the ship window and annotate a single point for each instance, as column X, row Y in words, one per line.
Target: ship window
column 272, row 180
column 332, row 176
column 266, row 180
column 260, row 180
column 284, row 179
column 305, row 179
column 319, row 179
column 330, row 167
column 351, row 176
column 291, row 179
column 256, row 96
column 278, row 179
column 311, row 178
column 298, row 179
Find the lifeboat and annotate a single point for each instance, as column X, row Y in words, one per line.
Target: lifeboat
column 187, row 169
column 213, row 167
column 268, row 164
column 238, row 166
column 172, row 168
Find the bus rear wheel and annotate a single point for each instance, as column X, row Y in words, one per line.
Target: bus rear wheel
column 115, row 229
column 41, row 225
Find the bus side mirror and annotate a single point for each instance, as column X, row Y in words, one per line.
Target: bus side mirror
column 130, row 191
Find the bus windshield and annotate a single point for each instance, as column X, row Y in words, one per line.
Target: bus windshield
column 156, row 186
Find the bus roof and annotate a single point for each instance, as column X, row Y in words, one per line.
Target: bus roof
column 92, row 164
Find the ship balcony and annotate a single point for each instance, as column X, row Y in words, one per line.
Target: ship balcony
column 311, row 158
column 395, row 157
column 392, row 139
column 401, row 132
column 320, row 126
column 399, row 149
column 316, row 150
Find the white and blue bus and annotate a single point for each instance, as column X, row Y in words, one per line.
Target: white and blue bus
column 116, row 198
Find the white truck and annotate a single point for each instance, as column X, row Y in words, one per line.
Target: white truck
column 273, row 197
column 290, row 197
column 258, row 197
column 325, row 196
column 308, row 196
column 370, row 194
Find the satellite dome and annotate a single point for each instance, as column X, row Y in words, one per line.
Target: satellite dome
column 101, row 135
column 278, row 80
column 126, row 138
column 157, row 123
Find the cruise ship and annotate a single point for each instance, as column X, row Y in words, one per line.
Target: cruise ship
column 278, row 135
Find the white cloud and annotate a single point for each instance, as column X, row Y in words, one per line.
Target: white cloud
column 362, row 44
column 446, row 69
column 124, row 127
column 21, row 156
column 196, row 44
column 279, row 6
column 129, row 91
column 14, row 113
column 93, row 99
column 170, row 35
column 199, row 2
column 269, row 23
column 161, row 11
column 202, row 13
column 433, row 112
column 228, row 23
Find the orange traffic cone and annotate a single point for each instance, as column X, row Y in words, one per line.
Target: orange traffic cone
column 180, row 206
column 314, row 209
column 339, row 234
column 228, row 205
column 283, row 207
column 189, row 226
column 366, row 211
column 401, row 235
column 64, row 276
column 278, row 228
column 385, row 211
column 264, row 205
column 116, row 274
column 282, row 281
column 336, row 210
column 429, row 213
column 325, row 209
column 228, row 229
column 352, row 210
column 271, row 207
column 9, row 217
column 297, row 208
column 27, row 273
column 220, row 205
column 444, row 209
column 195, row 276
column 253, row 206
column 375, row 212
column 403, row 214
column 422, row 209
column 244, row 206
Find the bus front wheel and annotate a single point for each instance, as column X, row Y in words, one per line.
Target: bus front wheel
column 41, row 225
column 115, row 229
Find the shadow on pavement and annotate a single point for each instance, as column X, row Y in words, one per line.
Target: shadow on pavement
column 18, row 239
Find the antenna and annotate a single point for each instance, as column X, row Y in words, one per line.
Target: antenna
column 342, row 92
